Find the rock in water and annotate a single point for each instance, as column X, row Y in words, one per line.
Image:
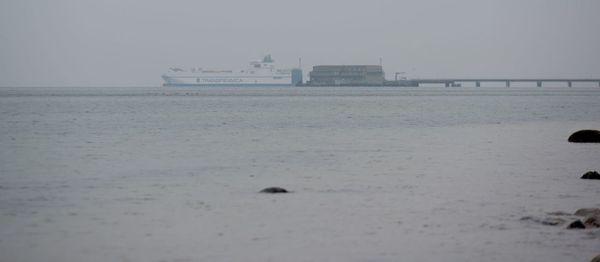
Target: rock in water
column 584, row 212
column 596, row 259
column 591, row 175
column 549, row 221
column 274, row 190
column 576, row 225
column 585, row 136
column 559, row 213
column 592, row 222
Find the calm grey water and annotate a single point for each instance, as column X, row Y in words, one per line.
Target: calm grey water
column 270, row 107
column 59, row 127
column 141, row 173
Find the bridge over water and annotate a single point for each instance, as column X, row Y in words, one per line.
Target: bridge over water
column 507, row 81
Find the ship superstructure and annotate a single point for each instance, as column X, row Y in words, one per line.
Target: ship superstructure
column 258, row 73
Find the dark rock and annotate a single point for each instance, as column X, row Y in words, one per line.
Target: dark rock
column 576, row 225
column 584, row 212
column 596, row 259
column 592, row 222
column 585, row 136
column 591, row 175
column 592, row 217
column 274, row 190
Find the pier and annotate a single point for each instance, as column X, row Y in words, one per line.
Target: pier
column 453, row 82
column 373, row 75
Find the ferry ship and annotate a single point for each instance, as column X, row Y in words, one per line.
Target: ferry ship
column 258, row 73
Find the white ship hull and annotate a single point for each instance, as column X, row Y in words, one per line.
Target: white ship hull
column 258, row 73
column 223, row 80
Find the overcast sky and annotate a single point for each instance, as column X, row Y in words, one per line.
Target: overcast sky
column 132, row 42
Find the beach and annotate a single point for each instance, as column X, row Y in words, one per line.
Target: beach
column 376, row 174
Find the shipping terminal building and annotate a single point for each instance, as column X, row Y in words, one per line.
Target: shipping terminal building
column 346, row 75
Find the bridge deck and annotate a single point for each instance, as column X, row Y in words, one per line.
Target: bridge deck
column 444, row 80
column 507, row 81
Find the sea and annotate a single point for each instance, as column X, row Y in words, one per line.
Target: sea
column 375, row 173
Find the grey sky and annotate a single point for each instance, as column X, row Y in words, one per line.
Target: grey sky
column 132, row 42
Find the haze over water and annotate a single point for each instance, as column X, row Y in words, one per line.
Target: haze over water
column 132, row 42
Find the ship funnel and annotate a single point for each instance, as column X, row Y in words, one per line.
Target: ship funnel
column 268, row 59
column 296, row 76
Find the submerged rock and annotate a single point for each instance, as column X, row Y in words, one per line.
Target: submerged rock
column 591, row 175
column 584, row 212
column 591, row 217
column 592, row 222
column 585, row 136
column 559, row 213
column 274, row 190
column 548, row 221
column 576, row 225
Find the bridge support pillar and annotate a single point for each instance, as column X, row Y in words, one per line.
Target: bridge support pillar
column 539, row 83
column 570, row 84
column 507, row 83
column 478, row 84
